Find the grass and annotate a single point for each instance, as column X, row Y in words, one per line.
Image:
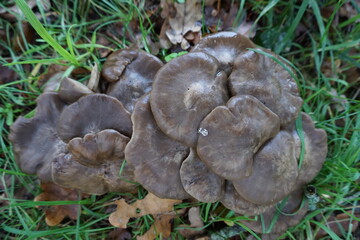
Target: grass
column 70, row 35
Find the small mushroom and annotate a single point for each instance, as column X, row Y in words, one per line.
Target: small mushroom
column 95, row 149
column 35, row 141
column 91, row 114
column 235, row 133
column 184, row 91
column 286, row 216
column 274, row 173
column 107, row 177
column 156, row 158
column 258, row 75
column 199, row 181
column 138, row 70
column 70, row 90
column 234, row 201
column 225, row 47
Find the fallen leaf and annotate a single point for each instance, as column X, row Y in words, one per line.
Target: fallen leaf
column 181, row 19
column 7, row 75
column 119, row 234
column 192, row 230
column 149, row 205
column 161, row 227
column 56, row 213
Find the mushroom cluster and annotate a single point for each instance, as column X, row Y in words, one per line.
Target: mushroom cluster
column 215, row 124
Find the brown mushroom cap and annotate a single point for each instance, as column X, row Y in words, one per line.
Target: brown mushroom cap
column 274, row 173
column 71, row 90
column 294, row 209
column 68, row 172
column 199, row 181
column 224, row 46
column 95, row 149
column 91, row 114
column 155, row 157
column 184, row 91
column 315, row 150
column 235, row 133
column 136, row 78
column 35, row 141
column 233, row 201
column 258, row 75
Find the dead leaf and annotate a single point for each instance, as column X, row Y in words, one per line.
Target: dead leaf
column 119, row 234
column 181, row 19
column 7, row 13
column 149, row 205
column 56, row 213
column 338, row 223
column 161, row 228
column 192, row 230
column 7, row 75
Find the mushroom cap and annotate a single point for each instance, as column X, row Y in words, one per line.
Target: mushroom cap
column 95, row 149
column 68, row 172
column 136, row 78
column 199, row 181
column 224, row 46
column 184, row 91
column 235, row 202
column 35, row 141
column 70, row 90
column 293, row 208
column 156, row 158
column 315, row 150
column 274, row 174
column 116, row 63
column 258, row 75
column 235, row 132
column 91, row 114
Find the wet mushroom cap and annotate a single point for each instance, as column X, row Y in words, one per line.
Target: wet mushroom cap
column 184, row 91
column 68, row 172
column 35, row 141
column 95, row 149
column 294, row 209
column 199, row 181
column 91, row 114
column 315, row 150
column 274, row 173
column 156, row 158
column 260, row 76
column 235, row 202
column 234, row 133
column 224, row 46
column 116, row 63
column 136, row 79
column 70, row 90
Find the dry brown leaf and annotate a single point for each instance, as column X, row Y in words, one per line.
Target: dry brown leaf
column 56, row 213
column 119, row 234
column 181, row 18
column 195, row 224
column 149, row 205
column 161, row 227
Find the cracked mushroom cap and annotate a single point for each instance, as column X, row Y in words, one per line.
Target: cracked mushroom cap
column 315, row 150
column 156, row 158
column 258, row 75
column 199, row 181
column 275, row 171
column 184, row 91
column 91, row 114
column 35, row 141
column 289, row 215
column 68, row 172
column 70, row 90
column 235, row 132
column 224, row 46
column 135, row 72
column 235, row 202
